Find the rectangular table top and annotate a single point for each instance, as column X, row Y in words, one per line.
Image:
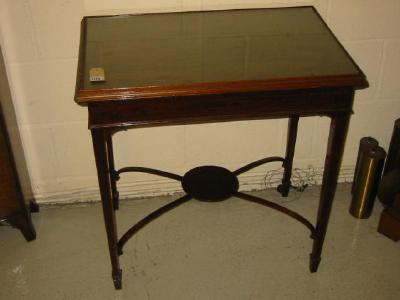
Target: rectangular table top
column 210, row 52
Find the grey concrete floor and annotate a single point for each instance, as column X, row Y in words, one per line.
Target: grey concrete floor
column 227, row 250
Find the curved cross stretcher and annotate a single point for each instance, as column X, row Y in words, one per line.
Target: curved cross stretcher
column 208, row 184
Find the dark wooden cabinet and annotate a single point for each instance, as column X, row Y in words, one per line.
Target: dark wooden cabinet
column 15, row 193
column 389, row 189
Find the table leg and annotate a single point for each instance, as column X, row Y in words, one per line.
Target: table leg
column 23, row 222
column 336, row 141
column 288, row 163
column 110, row 155
column 100, row 137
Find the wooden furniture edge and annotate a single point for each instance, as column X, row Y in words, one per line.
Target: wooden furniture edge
column 83, row 97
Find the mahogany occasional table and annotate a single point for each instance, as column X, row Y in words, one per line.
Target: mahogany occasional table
column 213, row 66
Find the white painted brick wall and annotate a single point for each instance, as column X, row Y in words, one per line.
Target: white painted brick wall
column 40, row 42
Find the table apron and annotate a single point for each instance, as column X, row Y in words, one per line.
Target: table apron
column 217, row 108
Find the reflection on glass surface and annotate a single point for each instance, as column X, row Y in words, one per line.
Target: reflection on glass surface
column 195, row 47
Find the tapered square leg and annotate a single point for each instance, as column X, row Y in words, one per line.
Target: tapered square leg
column 100, row 137
column 288, row 163
column 110, row 156
column 117, row 279
column 336, row 141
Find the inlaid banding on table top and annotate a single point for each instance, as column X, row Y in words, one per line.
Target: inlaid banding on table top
column 84, row 97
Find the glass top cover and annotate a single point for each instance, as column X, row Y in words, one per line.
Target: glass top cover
column 216, row 46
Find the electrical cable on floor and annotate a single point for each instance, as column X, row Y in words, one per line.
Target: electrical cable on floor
column 305, row 177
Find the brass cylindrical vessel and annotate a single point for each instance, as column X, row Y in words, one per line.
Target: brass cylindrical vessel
column 366, row 187
column 366, row 143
